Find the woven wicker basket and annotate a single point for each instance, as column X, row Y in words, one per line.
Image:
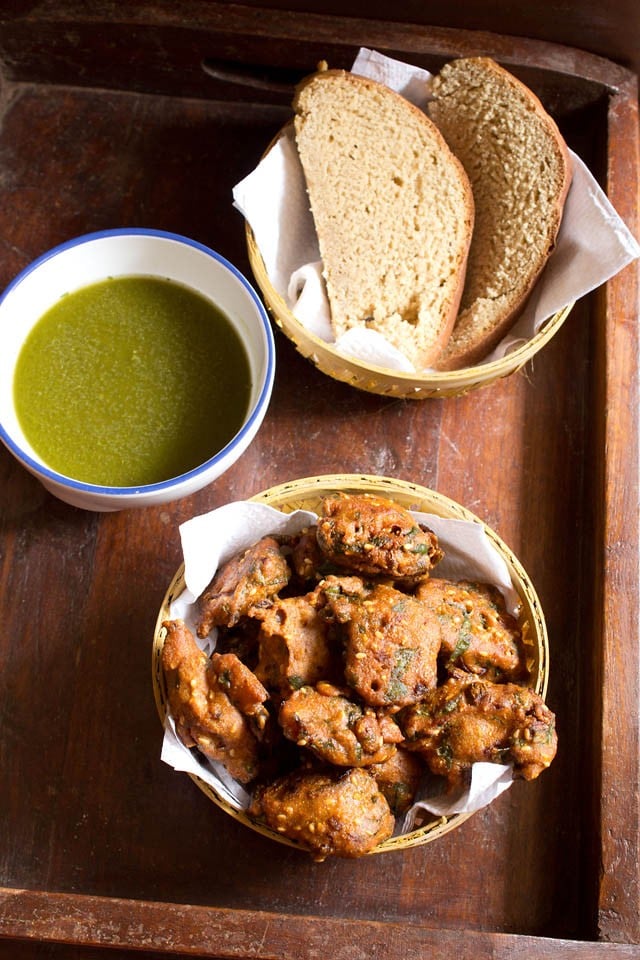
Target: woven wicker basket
column 307, row 494
column 381, row 380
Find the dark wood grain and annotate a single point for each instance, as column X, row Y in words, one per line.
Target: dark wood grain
column 159, row 47
column 229, row 934
column 610, row 30
column 107, row 119
column 620, row 739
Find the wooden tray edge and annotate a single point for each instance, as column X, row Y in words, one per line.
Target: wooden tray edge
column 172, row 928
column 618, row 531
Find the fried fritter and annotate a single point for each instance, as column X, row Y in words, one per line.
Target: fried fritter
column 478, row 635
column 466, row 721
column 294, row 645
column 399, row 778
column 376, row 537
column 323, row 691
column 204, row 715
column 307, row 561
column 241, row 686
column 335, row 729
column 341, row 814
column 243, row 582
column 391, row 641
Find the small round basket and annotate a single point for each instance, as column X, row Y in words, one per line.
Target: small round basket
column 382, row 380
column 307, row 494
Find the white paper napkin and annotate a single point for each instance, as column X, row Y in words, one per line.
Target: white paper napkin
column 593, row 242
column 488, row 781
column 214, row 537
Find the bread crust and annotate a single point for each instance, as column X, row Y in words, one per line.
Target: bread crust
column 421, row 345
column 466, row 346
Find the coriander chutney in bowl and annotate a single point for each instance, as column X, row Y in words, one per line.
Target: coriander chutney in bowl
column 138, row 367
column 131, row 380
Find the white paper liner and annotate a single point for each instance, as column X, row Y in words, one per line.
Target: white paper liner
column 593, row 243
column 214, row 537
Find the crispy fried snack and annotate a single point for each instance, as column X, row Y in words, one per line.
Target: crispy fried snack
column 478, row 635
column 294, row 645
column 241, row 686
column 336, row 729
column 391, row 641
column 399, row 778
column 340, row 814
column 243, row 582
column 308, row 563
column 343, row 673
column 467, row 721
column 200, row 701
column 376, row 537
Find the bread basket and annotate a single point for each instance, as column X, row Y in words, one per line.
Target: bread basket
column 382, row 380
column 307, row 494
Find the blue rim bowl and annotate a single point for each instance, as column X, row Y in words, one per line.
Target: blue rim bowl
column 140, row 252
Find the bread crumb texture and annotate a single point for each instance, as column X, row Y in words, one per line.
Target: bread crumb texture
column 520, row 172
column 393, row 211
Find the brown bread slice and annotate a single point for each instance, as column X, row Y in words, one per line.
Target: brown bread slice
column 392, row 207
column 520, row 172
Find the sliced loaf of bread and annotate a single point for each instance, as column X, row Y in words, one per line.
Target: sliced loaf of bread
column 393, row 211
column 520, row 172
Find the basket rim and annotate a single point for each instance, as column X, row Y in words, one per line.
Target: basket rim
column 489, row 371
column 317, row 486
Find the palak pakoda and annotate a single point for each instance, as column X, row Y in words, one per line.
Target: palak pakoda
column 376, row 537
column 468, row 721
column 247, row 580
column 339, row 813
column 391, row 641
column 201, row 694
column 295, row 645
column 336, row 729
column 477, row 634
column 399, row 778
column 307, row 561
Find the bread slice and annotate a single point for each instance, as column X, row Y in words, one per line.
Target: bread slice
column 393, row 211
column 520, row 171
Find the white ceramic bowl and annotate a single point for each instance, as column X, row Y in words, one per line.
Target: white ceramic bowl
column 98, row 256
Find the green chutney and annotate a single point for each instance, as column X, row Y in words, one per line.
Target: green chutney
column 130, row 381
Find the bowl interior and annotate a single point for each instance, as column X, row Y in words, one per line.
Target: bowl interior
column 137, row 253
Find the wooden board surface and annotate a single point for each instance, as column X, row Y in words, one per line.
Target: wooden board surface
column 97, row 836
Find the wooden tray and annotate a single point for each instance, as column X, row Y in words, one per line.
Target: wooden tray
column 108, row 118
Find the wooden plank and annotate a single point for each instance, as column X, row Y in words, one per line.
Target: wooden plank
column 75, row 43
column 619, row 907
column 237, row 934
